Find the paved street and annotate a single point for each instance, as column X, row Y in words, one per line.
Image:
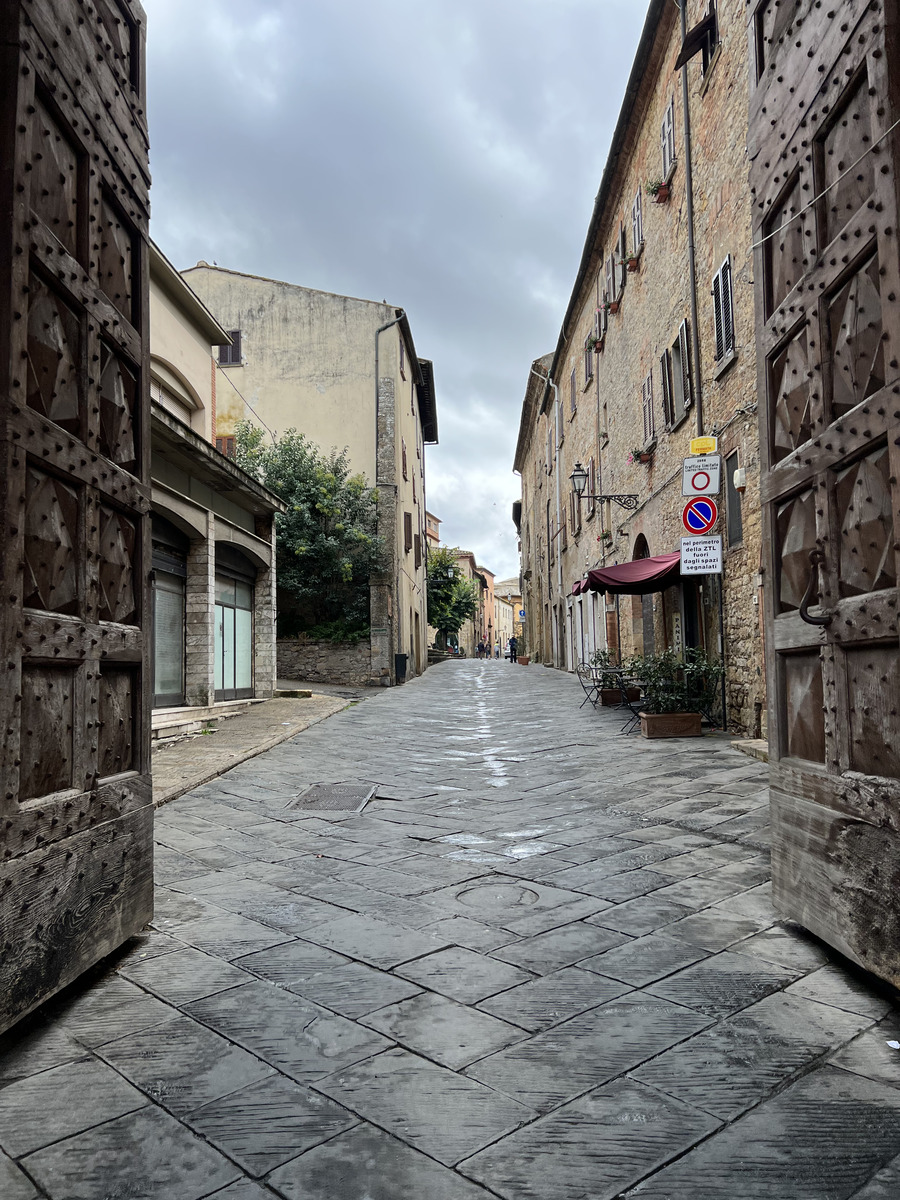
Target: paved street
column 541, row 964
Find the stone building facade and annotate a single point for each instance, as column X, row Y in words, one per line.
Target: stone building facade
column 344, row 372
column 656, row 347
column 213, row 535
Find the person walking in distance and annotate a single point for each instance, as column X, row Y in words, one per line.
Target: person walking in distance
column 513, row 649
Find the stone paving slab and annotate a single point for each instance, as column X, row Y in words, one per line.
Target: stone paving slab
column 367, row 1164
column 595, row 1146
column 435, row 1110
column 527, row 969
column 817, row 1118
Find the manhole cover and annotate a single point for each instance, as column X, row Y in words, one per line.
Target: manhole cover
column 335, row 797
column 497, row 897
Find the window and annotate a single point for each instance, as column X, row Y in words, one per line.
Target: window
column 233, row 649
column 560, row 424
column 573, row 403
column 667, row 141
column 711, row 34
column 168, row 636
column 563, row 533
column 551, row 537
column 677, row 385
column 225, row 445
column 402, row 358
column 549, row 445
column 723, row 311
column 600, row 318
column 403, row 457
column 589, row 358
column 591, row 488
column 647, row 405
column 610, row 289
column 623, row 253
column 637, row 223
column 230, row 356
column 734, row 522
column 417, row 550
column 702, row 39
column 407, row 532
column 575, row 511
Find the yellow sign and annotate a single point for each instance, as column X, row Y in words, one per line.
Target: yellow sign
column 704, row 445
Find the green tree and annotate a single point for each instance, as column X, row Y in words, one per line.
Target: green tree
column 327, row 543
column 452, row 599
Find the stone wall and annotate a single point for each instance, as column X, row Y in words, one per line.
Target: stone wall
column 328, row 662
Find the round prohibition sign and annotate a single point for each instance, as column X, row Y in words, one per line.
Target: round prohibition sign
column 700, row 515
column 700, row 481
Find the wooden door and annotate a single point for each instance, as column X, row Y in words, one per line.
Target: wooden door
column 75, row 794
column 824, row 94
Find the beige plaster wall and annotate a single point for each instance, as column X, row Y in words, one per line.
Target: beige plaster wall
column 181, row 358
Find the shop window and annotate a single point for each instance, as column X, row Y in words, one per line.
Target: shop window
column 169, row 561
column 233, row 631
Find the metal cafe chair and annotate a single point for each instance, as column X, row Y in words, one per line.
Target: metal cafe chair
column 589, row 684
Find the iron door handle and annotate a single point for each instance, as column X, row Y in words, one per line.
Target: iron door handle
column 816, row 559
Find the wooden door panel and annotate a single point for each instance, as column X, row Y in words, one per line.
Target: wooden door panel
column 823, row 177
column 75, row 792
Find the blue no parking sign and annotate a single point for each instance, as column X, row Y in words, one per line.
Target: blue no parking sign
column 700, row 515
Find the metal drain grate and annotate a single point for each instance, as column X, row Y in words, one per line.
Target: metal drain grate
column 335, row 797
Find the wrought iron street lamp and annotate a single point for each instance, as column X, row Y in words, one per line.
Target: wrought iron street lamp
column 579, row 479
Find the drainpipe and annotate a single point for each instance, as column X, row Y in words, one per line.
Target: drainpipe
column 378, row 332
column 546, row 378
column 689, row 199
column 392, row 644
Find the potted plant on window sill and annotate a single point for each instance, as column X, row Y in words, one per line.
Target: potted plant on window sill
column 611, row 306
column 641, row 455
column 632, row 260
column 659, row 190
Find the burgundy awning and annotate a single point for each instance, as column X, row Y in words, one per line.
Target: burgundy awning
column 637, row 578
column 579, row 586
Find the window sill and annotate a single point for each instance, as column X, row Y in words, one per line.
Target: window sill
column 677, row 424
column 587, row 384
column 725, row 364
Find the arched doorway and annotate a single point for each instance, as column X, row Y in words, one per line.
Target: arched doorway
column 642, row 606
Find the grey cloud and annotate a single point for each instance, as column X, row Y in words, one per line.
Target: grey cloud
column 443, row 156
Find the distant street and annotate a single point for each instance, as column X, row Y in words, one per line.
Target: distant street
column 541, row 964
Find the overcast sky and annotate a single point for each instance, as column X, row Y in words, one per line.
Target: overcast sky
column 439, row 155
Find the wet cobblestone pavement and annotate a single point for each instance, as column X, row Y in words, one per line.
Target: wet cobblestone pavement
column 541, row 964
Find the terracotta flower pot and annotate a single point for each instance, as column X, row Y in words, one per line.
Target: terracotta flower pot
column 632, row 264
column 610, row 697
column 645, row 458
column 662, row 195
column 613, row 306
column 523, row 660
column 669, row 725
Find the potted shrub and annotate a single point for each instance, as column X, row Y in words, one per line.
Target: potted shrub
column 633, row 260
column 605, row 668
column 677, row 691
column 642, row 455
column 659, row 190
